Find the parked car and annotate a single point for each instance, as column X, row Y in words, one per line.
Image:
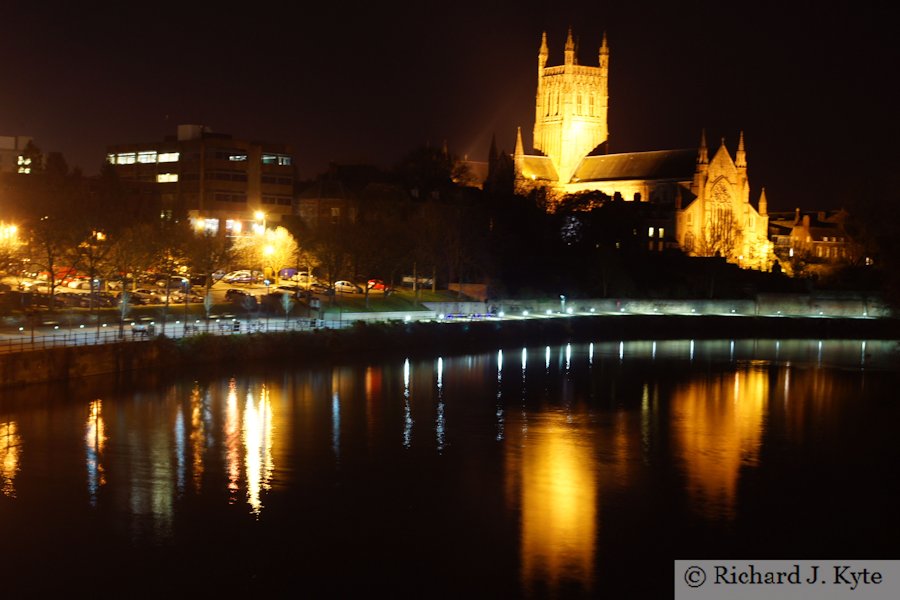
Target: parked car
column 101, row 299
column 242, row 276
column 34, row 285
column 321, row 288
column 176, row 282
column 80, row 283
column 241, row 298
column 296, row 291
column 347, row 287
column 377, row 285
column 72, row 299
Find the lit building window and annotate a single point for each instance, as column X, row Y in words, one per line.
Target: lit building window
column 237, row 157
column 111, row 159
column 166, row 177
column 276, row 159
column 167, row 157
column 126, row 158
column 147, row 157
column 662, row 233
column 650, row 232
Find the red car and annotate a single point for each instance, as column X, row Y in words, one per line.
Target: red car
column 377, row 285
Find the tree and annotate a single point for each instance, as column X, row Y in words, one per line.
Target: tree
column 272, row 250
column 206, row 253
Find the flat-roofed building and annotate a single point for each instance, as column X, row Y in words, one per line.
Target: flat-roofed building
column 220, row 182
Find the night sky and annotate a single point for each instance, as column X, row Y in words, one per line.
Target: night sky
column 808, row 83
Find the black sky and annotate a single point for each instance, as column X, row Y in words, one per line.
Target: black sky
column 810, row 84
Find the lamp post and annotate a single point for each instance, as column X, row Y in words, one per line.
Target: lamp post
column 260, row 224
column 562, row 304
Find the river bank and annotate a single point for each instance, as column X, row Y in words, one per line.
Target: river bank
column 176, row 356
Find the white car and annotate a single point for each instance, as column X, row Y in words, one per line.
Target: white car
column 80, row 283
column 347, row 287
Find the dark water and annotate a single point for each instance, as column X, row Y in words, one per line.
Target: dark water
column 568, row 471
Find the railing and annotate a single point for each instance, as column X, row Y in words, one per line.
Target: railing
column 27, row 341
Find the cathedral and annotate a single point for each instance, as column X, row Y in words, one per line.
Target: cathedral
column 711, row 213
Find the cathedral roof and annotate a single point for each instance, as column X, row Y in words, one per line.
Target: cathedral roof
column 478, row 170
column 658, row 164
column 539, row 167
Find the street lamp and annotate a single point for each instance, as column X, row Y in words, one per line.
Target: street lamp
column 562, row 304
column 260, row 225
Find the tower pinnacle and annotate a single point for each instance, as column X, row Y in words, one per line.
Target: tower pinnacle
column 570, row 49
column 740, row 159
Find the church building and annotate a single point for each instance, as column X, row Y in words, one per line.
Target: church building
column 709, row 198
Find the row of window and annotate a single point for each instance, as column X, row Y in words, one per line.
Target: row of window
column 277, row 180
column 276, row 159
column 227, row 175
column 282, row 200
column 153, row 157
column 588, row 105
column 229, row 197
column 147, row 157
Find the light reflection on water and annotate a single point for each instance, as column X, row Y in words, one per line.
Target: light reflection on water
column 564, row 449
column 10, row 443
column 552, row 465
column 718, row 425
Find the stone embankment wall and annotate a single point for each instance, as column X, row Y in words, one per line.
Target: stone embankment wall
column 411, row 338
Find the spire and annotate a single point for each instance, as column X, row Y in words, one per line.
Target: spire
column 702, row 157
column 570, row 48
column 740, row 159
column 520, row 151
column 604, row 52
column 763, row 204
column 542, row 55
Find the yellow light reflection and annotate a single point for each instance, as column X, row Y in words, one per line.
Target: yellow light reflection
column 718, row 425
column 558, row 490
column 10, row 456
column 198, row 437
column 94, row 442
column 257, row 437
column 232, row 441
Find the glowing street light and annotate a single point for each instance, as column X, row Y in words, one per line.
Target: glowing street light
column 260, row 225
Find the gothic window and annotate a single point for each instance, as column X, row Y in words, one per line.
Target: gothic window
column 720, row 194
column 578, row 104
column 591, row 109
column 689, row 242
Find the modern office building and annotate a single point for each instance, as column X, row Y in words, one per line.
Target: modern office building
column 221, row 183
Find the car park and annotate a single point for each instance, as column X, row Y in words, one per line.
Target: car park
column 347, row 287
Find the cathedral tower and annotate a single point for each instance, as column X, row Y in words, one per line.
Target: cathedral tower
column 571, row 107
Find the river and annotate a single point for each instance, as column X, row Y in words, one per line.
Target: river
column 565, row 471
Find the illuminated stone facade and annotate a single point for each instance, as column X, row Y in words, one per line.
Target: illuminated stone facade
column 708, row 200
